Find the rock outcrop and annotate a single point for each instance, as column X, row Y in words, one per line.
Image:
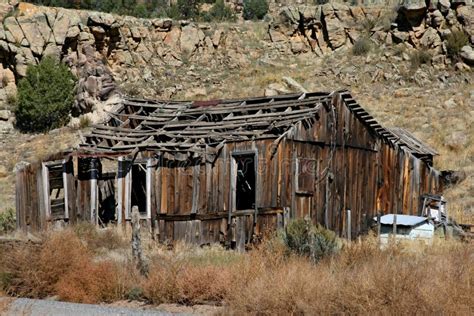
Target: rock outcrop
column 418, row 24
column 104, row 50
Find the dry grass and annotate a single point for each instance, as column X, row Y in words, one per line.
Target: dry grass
column 361, row 279
column 62, row 265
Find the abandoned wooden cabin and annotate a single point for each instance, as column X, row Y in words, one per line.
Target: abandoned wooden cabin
column 229, row 170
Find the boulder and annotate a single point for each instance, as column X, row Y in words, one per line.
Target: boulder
column 460, row 66
column 73, row 32
column 413, row 5
column 467, row 54
column 444, row 6
column 41, row 21
column 23, row 58
column 216, row 37
column 294, row 85
column 414, row 11
column 11, row 25
column 52, row 50
column 61, row 26
column 172, row 38
column 163, row 25
column 437, row 18
column 430, row 38
column 275, row 89
column 103, row 19
column 335, row 16
column 276, row 36
column 189, row 39
column 4, row 47
column 5, row 115
column 32, row 34
column 399, row 37
column 298, row 45
column 2, row 33
column 465, row 14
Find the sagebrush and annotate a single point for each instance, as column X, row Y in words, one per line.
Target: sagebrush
column 362, row 46
column 7, row 221
column 306, row 239
column 455, row 41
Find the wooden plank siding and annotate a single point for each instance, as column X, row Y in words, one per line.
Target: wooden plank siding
column 318, row 168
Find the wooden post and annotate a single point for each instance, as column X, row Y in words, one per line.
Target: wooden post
column 149, row 166
column 66, row 191
column 137, row 252
column 379, row 225
column 349, row 233
column 326, row 203
column 196, row 188
column 46, row 193
column 123, row 191
column 120, row 191
column 94, row 175
column 286, row 216
column 394, row 228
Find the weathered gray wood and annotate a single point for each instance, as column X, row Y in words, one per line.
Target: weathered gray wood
column 66, row 191
column 349, row 223
column 149, row 170
column 379, row 226
column 196, row 188
column 46, row 192
column 137, row 252
column 394, row 227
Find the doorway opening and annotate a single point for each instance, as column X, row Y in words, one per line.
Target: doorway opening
column 139, row 187
column 107, row 202
column 245, row 181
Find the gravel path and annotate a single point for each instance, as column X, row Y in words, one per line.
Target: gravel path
column 23, row 306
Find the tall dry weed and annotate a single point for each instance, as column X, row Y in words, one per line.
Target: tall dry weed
column 364, row 279
column 61, row 266
column 361, row 279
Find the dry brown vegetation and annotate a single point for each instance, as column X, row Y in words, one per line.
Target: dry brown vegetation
column 361, row 278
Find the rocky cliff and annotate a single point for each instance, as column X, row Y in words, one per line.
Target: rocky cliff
column 102, row 49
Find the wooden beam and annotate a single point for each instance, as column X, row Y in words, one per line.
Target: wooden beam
column 46, row 193
column 149, row 169
column 66, row 191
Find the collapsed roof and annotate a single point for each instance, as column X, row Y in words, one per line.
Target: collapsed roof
column 192, row 129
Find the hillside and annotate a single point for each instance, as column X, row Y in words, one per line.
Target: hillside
column 396, row 63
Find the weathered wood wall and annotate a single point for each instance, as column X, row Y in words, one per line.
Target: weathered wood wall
column 326, row 164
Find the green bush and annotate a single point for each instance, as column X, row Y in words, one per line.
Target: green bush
column 305, row 239
column 255, row 9
column 455, row 42
column 362, row 46
column 184, row 9
column 7, row 222
column 45, row 96
column 219, row 12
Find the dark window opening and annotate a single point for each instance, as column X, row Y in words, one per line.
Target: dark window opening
column 306, row 172
column 107, row 202
column 139, row 187
column 245, row 184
